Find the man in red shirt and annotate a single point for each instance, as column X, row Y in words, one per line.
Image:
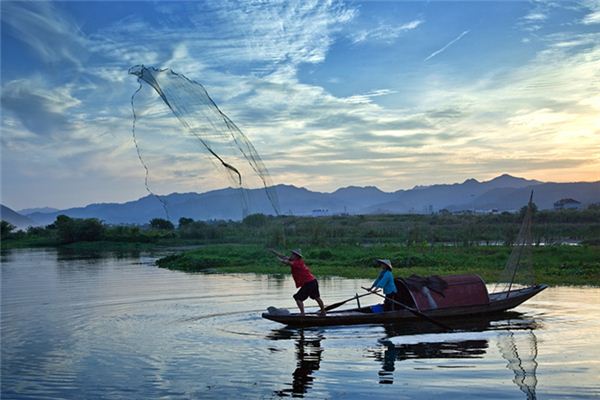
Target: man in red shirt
column 304, row 279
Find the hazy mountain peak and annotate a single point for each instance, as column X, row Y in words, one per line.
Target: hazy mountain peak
column 43, row 210
column 352, row 188
column 511, row 181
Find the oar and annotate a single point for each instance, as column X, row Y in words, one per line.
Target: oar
column 336, row 305
column 414, row 311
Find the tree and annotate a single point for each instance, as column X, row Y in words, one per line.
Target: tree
column 255, row 220
column 71, row 230
column 183, row 221
column 65, row 229
column 162, row 224
column 6, row 228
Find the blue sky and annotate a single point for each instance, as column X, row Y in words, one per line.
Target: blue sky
column 392, row 94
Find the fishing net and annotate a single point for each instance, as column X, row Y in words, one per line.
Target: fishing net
column 228, row 147
column 519, row 267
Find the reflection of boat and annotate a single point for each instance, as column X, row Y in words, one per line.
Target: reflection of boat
column 513, row 334
column 440, row 297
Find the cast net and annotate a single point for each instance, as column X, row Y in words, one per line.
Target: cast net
column 221, row 139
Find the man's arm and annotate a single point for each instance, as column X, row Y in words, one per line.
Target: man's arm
column 283, row 259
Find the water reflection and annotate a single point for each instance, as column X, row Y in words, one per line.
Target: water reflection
column 308, row 359
column 513, row 333
column 521, row 352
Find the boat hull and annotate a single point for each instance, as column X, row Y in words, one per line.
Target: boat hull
column 499, row 302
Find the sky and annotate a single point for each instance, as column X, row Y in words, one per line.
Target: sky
column 391, row 94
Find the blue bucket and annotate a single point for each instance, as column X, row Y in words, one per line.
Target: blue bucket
column 378, row 308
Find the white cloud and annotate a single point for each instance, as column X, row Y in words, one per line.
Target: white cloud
column 592, row 18
column 535, row 16
column 384, row 33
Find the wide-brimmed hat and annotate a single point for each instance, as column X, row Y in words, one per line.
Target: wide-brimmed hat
column 385, row 262
column 297, row 252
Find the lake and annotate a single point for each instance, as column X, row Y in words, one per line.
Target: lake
column 115, row 326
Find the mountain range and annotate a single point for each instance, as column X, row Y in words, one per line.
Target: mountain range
column 503, row 193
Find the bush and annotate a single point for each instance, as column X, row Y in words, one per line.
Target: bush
column 162, row 224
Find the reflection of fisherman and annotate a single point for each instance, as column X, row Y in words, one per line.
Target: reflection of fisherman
column 309, row 354
column 386, row 375
column 385, row 280
column 309, row 359
column 304, row 279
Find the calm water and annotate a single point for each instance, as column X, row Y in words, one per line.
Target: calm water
column 76, row 327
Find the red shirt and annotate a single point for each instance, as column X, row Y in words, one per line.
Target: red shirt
column 301, row 273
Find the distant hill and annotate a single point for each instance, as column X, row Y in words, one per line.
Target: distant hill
column 13, row 217
column 504, row 192
column 44, row 210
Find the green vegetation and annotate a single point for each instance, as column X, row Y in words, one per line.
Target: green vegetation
column 346, row 245
column 555, row 265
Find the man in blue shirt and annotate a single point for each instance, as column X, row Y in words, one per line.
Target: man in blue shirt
column 385, row 280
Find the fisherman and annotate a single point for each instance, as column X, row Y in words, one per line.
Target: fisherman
column 385, row 280
column 304, row 279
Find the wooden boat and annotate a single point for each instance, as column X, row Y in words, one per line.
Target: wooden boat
column 498, row 302
column 438, row 297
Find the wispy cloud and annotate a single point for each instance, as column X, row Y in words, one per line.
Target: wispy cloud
column 366, row 98
column 535, row 16
column 52, row 36
column 40, row 110
column 592, row 18
column 456, row 39
column 384, row 33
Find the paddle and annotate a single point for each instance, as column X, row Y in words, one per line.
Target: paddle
column 414, row 311
column 336, row 305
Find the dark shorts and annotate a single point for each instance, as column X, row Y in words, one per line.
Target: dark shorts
column 310, row 289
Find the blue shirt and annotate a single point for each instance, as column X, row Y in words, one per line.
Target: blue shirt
column 385, row 280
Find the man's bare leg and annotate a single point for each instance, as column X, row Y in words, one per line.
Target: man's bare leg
column 318, row 300
column 300, row 306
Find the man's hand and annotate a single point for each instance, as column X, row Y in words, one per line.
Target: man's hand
column 371, row 289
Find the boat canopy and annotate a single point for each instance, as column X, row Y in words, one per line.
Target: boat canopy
column 434, row 292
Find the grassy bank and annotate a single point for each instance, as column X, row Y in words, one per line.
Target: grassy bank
column 554, row 265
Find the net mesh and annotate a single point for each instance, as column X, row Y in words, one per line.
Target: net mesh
column 217, row 133
column 519, row 267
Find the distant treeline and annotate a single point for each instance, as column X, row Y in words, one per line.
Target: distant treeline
column 459, row 230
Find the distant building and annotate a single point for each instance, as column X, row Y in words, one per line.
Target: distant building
column 320, row 212
column 567, row 204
